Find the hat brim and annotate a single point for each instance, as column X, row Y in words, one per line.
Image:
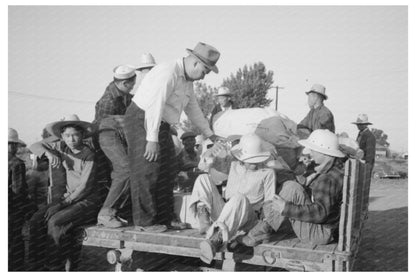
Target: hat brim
column 143, row 66
column 333, row 153
column 213, row 68
column 55, row 128
column 323, row 95
column 19, row 142
column 236, row 151
column 362, row 123
column 225, row 94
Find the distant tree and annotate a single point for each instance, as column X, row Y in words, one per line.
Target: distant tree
column 381, row 137
column 250, row 86
column 205, row 97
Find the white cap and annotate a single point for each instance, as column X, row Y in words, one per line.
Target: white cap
column 123, row 72
column 146, row 61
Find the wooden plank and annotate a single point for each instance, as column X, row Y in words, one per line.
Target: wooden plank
column 163, row 249
column 106, row 243
column 328, row 248
column 344, row 205
column 351, row 206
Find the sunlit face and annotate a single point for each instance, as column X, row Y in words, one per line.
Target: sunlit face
column 317, row 156
column 249, row 166
column 223, row 100
column 312, row 99
column 129, row 85
column 361, row 126
column 198, row 71
column 72, row 137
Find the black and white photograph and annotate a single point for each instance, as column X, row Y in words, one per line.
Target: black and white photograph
column 182, row 137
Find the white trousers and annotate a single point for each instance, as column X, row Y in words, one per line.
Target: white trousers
column 237, row 213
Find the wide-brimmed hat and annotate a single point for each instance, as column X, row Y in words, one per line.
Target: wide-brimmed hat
column 319, row 89
column 14, row 137
column 72, row 119
column 123, row 72
column 207, row 54
column 223, row 91
column 146, row 61
column 323, row 141
column 362, row 119
column 250, row 149
column 188, row 135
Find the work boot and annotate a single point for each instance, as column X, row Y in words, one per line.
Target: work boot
column 211, row 246
column 258, row 234
column 204, row 219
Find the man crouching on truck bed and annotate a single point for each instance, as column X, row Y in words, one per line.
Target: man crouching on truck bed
column 50, row 227
column 313, row 209
column 249, row 184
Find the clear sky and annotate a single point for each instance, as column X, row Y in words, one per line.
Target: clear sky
column 61, row 58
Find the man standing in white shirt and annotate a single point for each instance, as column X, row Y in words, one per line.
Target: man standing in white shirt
column 165, row 92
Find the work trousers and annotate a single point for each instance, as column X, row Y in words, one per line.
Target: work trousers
column 307, row 232
column 237, row 213
column 112, row 146
column 51, row 242
column 16, row 247
column 151, row 183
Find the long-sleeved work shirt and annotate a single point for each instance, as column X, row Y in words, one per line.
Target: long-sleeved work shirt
column 257, row 185
column 367, row 142
column 325, row 191
column 164, row 94
column 113, row 102
column 80, row 168
column 318, row 118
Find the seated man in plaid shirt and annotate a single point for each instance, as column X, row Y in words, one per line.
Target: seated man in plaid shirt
column 314, row 208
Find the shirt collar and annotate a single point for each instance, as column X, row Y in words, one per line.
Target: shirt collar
column 181, row 64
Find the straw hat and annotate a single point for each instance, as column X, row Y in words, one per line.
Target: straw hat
column 362, row 119
column 14, row 137
column 73, row 119
column 323, row 141
column 123, row 72
column 223, row 91
column 250, row 149
column 146, row 61
column 319, row 89
column 207, row 54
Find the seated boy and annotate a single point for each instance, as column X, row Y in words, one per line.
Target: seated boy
column 50, row 226
column 313, row 209
column 249, row 185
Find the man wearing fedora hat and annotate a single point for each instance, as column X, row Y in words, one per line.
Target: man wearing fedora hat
column 249, row 184
column 366, row 140
column 314, row 209
column 109, row 115
column 319, row 116
column 165, row 92
column 79, row 204
column 17, row 201
column 225, row 103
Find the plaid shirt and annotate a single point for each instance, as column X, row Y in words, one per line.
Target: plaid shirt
column 326, row 195
column 113, row 102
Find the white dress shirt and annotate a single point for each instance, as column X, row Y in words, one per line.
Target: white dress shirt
column 164, row 94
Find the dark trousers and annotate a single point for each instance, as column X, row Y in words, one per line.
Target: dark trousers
column 112, row 146
column 52, row 242
column 16, row 244
column 151, row 183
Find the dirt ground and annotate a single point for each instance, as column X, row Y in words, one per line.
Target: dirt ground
column 384, row 245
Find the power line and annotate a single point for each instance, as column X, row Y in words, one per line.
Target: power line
column 49, row 97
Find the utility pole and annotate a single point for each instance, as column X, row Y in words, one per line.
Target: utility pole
column 277, row 95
